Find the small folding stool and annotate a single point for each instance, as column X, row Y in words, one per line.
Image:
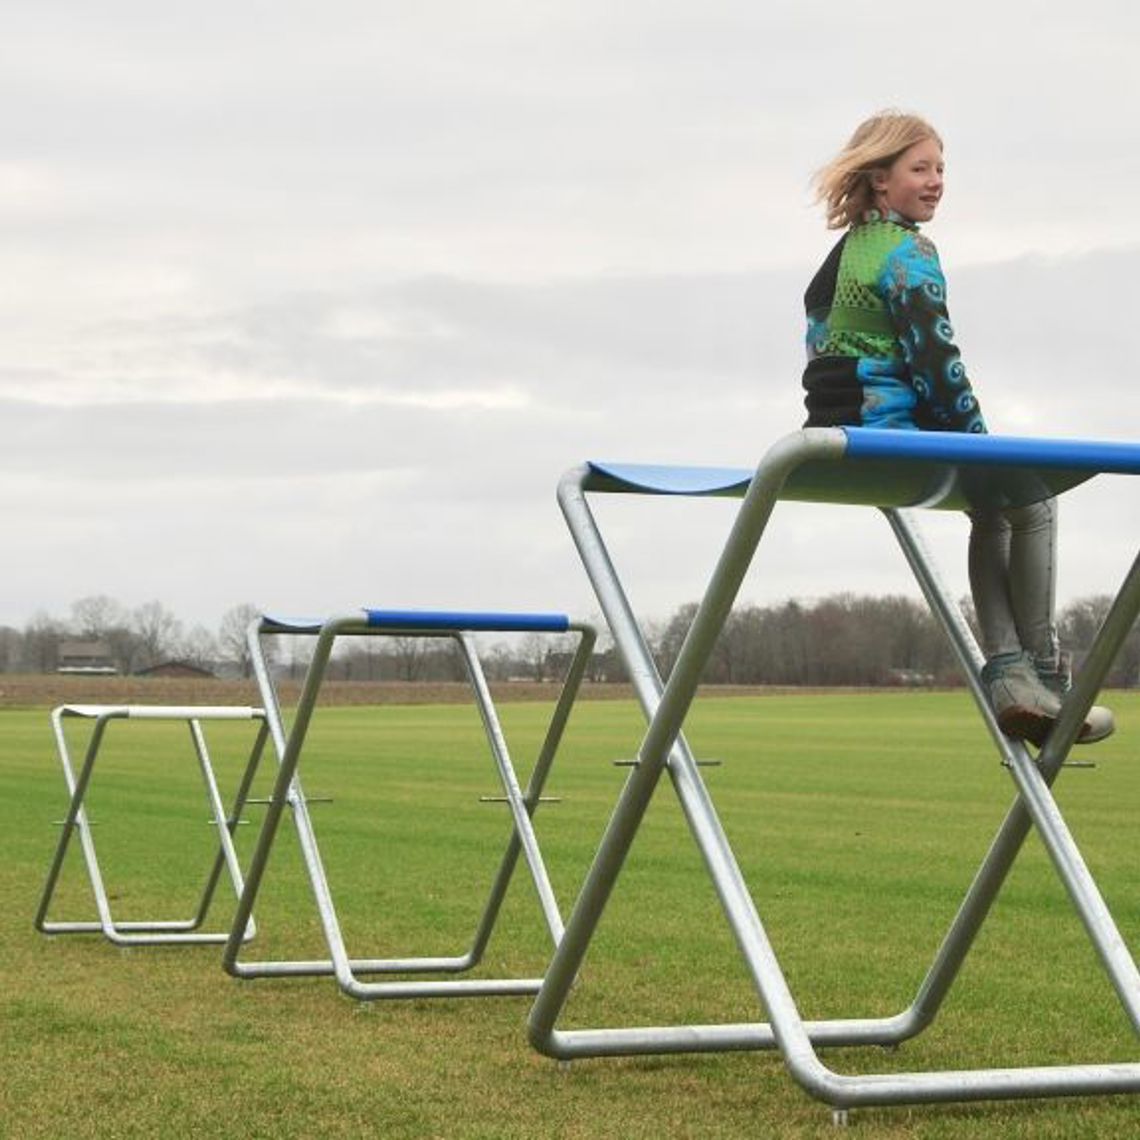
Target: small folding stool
column 148, row 932
column 289, row 742
column 888, row 470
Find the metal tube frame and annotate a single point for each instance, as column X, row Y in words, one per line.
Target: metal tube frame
column 149, row 932
column 664, row 749
column 288, row 793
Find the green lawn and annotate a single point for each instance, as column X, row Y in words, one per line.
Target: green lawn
column 858, row 819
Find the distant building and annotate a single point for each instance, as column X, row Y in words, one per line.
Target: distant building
column 911, row 678
column 90, row 658
column 174, row 669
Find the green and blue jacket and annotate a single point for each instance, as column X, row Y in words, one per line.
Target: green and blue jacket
column 878, row 330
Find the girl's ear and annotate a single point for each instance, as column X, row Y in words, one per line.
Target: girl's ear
column 878, row 179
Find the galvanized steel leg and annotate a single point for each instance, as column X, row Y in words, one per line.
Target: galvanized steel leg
column 529, row 800
column 75, row 821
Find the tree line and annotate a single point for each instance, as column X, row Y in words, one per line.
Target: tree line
column 848, row 639
column 842, row 639
column 133, row 639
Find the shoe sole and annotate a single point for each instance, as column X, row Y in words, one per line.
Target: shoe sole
column 1088, row 736
column 1025, row 724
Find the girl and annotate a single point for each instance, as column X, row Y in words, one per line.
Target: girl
column 881, row 354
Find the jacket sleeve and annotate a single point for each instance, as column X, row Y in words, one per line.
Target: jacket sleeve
column 915, row 293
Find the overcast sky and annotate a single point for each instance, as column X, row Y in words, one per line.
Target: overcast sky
column 310, row 304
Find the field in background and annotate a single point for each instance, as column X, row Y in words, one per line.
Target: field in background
column 859, row 819
column 35, row 690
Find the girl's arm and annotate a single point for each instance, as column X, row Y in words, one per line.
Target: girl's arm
column 915, row 291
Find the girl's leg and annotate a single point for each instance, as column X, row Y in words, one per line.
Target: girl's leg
column 1033, row 579
column 1013, row 568
column 989, row 564
column 1024, row 707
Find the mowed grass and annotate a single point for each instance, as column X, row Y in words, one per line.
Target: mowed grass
column 859, row 821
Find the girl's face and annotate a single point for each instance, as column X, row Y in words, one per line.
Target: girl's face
column 912, row 186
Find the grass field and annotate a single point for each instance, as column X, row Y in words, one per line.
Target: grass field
column 858, row 819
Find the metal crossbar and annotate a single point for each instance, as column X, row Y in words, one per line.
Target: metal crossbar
column 844, row 465
column 289, row 742
column 143, row 932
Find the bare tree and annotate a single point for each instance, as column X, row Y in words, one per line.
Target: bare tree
column 498, row 662
column 96, row 616
column 11, row 647
column 299, row 653
column 450, row 662
column 408, row 654
column 533, row 651
column 233, row 646
column 1081, row 619
column 1079, row 623
column 200, row 648
column 157, row 633
column 667, row 644
column 42, row 637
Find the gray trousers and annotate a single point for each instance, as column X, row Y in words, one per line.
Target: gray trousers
column 1013, row 573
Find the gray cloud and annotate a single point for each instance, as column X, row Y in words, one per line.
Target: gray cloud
column 313, row 306
column 682, row 369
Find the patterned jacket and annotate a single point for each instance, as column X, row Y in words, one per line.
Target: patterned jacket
column 876, row 310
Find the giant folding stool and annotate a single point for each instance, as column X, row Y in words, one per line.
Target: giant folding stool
column 147, row 932
column 289, row 741
column 889, row 470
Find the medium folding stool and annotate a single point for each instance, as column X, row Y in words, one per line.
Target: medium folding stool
column 289, row 742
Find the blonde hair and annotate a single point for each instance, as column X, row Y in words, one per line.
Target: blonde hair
column 843, row 186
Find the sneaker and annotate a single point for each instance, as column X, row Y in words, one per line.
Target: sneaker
column 1025, row 708
column 1057, row 677
column 1099, row 723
